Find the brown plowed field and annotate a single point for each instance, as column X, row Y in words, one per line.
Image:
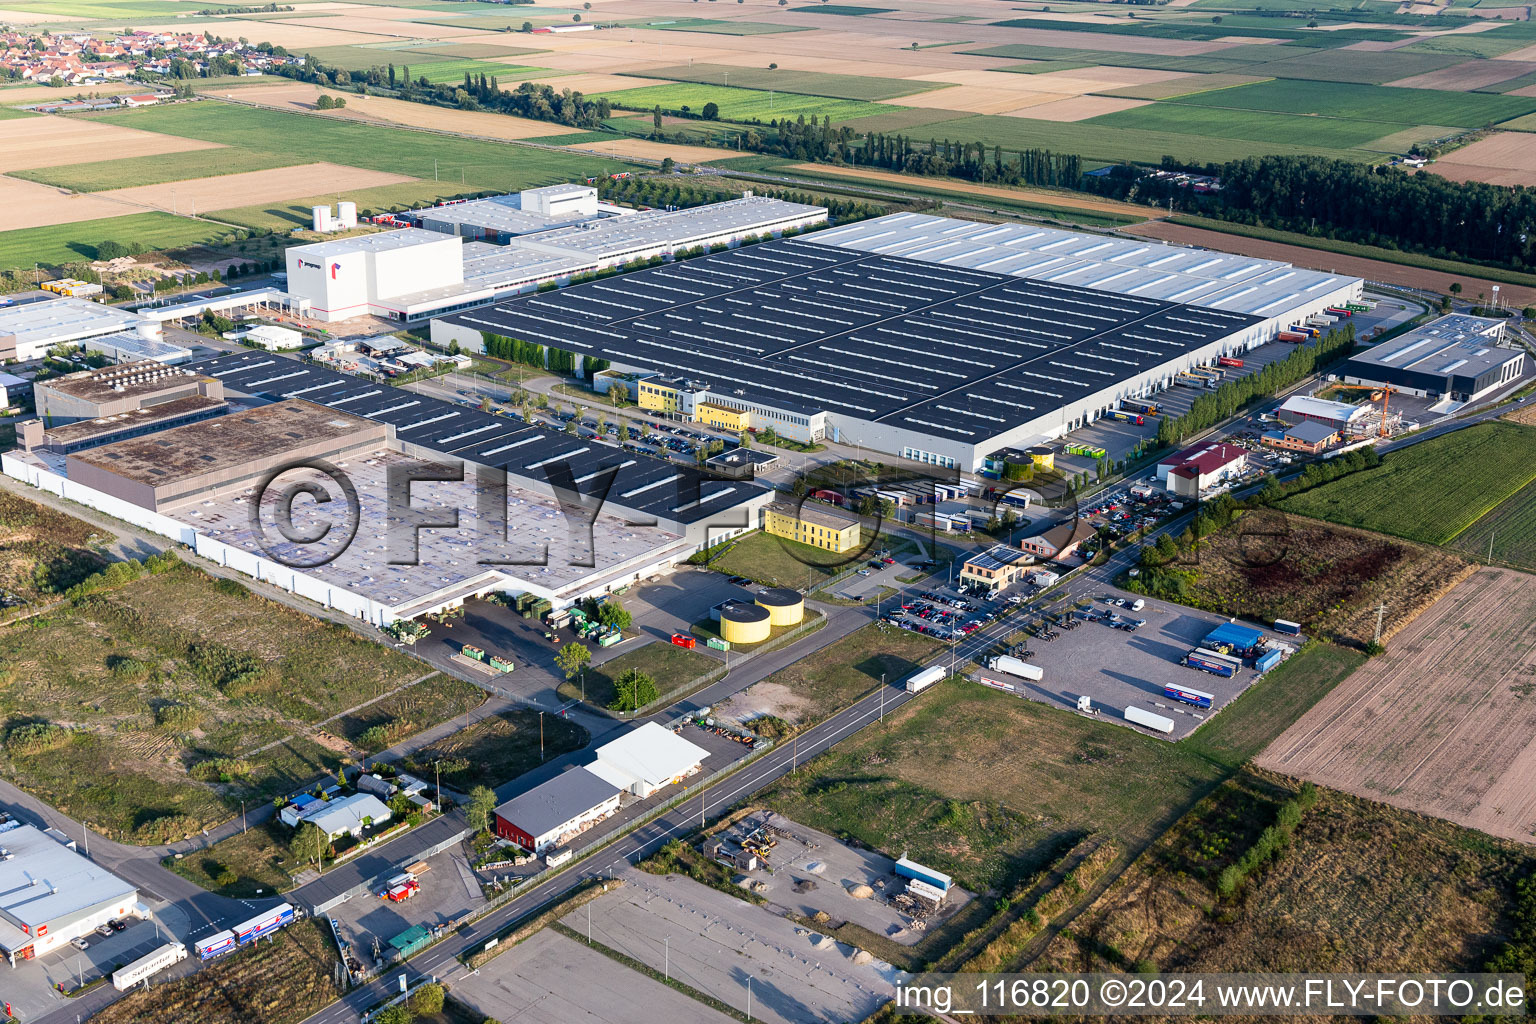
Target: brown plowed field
column 1317, row 259
column 1503, row 158
column 1444, row 723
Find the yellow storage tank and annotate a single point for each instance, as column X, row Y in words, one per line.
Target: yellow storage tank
column 742, row 623
column 785, row 607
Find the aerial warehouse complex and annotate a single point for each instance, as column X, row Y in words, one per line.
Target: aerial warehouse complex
column 934, row 339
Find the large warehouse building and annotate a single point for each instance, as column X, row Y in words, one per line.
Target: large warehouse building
column 50, row 894
column 935, row 339
column 577, row 517
column 414, row 273
column 28, row 331
column 1458, row 357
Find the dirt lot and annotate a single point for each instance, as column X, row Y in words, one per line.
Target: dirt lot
column 1317, row 259
column 1331, row 579
column 48, row 141
column 224, row 191
column 1503, row 158
column 1526, row 415
column 382, row 110
column 1443, row 723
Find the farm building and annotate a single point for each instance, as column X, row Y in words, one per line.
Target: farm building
column 1210, row 466
column 1457, row 357
column 950, row 339
column 647, row 759
column 50, row 894
column 1060, row 541
column 552, row 811
column 1341, row 416
column 813, row 525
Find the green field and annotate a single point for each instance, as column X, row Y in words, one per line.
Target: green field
column 724, row 28
column 441, row 72
column 805, row 83
column 152, row 170
column 1253, row 125
column 483, row 165
column 67, row 243
column 981, row 784
column 357, row 58
column 904, row 119
column 1366, row 103
column 116, row 11
column 1204, row 32
column 1111, row 142
column 295, row 213
column 1433, row 491
column 476, row 50
column 9, row 112
column 742, row 104
column 1507, row 534
column 1358, row 66
column 1495, row 43
column 1362, row 66
column 1114, row 59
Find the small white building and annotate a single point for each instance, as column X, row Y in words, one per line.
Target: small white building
column 647, row 759
column 349, row 815
column 268, row 336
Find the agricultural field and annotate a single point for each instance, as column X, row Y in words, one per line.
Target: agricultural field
column 282, row 981
column 440, row 71
column 153, row 708
column 133, row 172
column 1411, row 893
column 725, row 28
column 1433, row 491
column 496, row 749
column 1443, row 723
column 1254, row 126
column 486, row 165
column 1506, row 535
column 295, row 213
column 43, row 552
column 740, row 104
column 805, row 83
column 67, row 243
column 1268, row 565
column 1367, row 103
column 984, row 785
column 1500, row 158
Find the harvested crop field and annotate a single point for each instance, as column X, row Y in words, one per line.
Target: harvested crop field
column 1183, row 85
column 232, row 190
column 297, row 35
column 645, row 149
column 1474, row 74
column 1503, row 158
column 1444, row 723
column 1268, row 565
column 43, row 93
column 1318, row 259
column 31, row 205
column 382, row 110
column 29, row 142
column 1077, row 108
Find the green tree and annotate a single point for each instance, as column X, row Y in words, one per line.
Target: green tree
column 614, row 615
column 572, row 658
column 668, row 165
column 482, row 801
column 308, row 843
column 633, row 690
column 427, row 1000
column 325, row 102
column 711, row 111
column 394, row 1015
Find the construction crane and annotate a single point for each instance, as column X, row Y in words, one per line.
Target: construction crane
column 1379, row 393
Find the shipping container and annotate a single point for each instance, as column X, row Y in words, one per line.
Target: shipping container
column 501, row 664
column 1148, row 719
column 1292, row 337
column 1199, row 698
column 610, row 638
column 1230, row 361
column 1016, row 667
column 684, row 640
column 718, row 644
column 924, row 679
column 213, row 945
column 1287, row 627
column 1340, row 311
column 470, row 651
column 152, row 963
column 1127, row 417
column 1357, row 307
column 1268, row 660
column 1189, row 380
column 1044, row 578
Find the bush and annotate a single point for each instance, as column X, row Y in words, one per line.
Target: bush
column 178, row 717
column 427, row 1000
column 221, row 769
column 37, row 738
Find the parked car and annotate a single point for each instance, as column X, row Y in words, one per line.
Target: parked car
column 79, row 943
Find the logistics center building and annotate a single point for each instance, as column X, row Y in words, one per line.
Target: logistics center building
column 935, row 339
column 1458, row 357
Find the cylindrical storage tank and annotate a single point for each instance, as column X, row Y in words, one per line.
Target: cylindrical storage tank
column 785, row 607
column 742, row 623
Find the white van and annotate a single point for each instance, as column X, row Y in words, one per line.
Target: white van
column 1138, row 604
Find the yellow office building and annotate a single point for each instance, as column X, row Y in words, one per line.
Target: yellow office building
column 659, row 395
column 811, row 525
column 721, row 418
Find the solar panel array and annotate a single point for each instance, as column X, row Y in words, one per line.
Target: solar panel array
column 948, row 351
column 644, row 485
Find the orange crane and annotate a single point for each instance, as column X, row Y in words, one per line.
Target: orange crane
column 1379, row 393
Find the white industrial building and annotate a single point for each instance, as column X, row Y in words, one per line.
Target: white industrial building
column 50, row 894
column 134, row 346
column 1341, row 416
column 413, row 273
column 268, row 336
column 553, row 811
column 1456, row 358
column 935, row 339
column 28, row 331
column 502, row 218
column 646, row 760
column 345, row 218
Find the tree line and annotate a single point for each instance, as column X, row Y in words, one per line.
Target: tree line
column 1210, row 409
column 970, row 160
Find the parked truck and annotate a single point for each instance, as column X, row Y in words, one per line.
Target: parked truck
column 1185, row 695
column 153, row 963
column 1231, row 361
column 1148, row 719
column 924, row 679
column 1014, row 667
column 1205, row 663
column 1133, row 405
column 1127, row 417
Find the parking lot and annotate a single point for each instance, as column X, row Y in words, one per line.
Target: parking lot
column 949, row 613
column 718, row 945
column 1118, row 667
column 553, row 979
column 449, row 892
column 809, row 872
